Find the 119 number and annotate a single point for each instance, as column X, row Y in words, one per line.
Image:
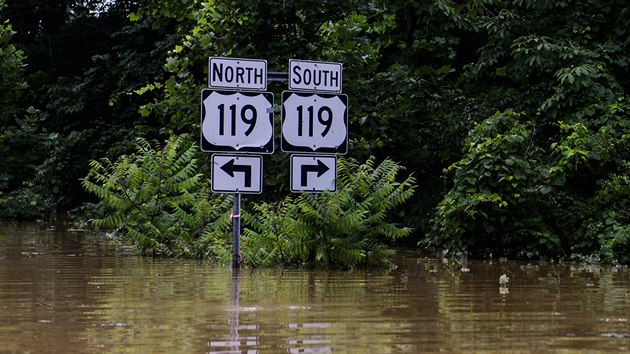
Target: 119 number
column 324, row 117
column 248, row 115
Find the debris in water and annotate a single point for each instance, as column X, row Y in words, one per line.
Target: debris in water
column 503, row 284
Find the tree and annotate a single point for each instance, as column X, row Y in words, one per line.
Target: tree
column 15, row 130
column 83, row 61
column 532, row 183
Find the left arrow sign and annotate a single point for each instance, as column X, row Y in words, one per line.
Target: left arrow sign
column 230, row 167
column 236, row 173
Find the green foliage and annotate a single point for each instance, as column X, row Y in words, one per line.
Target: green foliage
column 250, row 29
column 20, row 197
column 529, row 42
column 160, row 202
column 493, row 183
column 11, row 72
column 400, row 71
column 268, row 237
column 156, row 199
column 79, row 59
column 341, row 229
column 419, row 75
column 610, row 228
column 604, row 156
column 512, row 197
column 533, row 184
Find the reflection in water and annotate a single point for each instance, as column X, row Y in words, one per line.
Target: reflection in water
column 250, row 343
column 236, row 343
column 73, row 292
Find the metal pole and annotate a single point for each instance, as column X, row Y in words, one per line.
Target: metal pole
column 278, row 76
column 236, row 232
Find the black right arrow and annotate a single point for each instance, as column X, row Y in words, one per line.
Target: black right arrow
column 230, row 168
column 320, row 168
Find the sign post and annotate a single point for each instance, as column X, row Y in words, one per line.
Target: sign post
column 236, row 231
column 314, row 122
column 236, row 117
column 237, row 121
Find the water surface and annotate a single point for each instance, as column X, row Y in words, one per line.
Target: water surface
column 76, row 292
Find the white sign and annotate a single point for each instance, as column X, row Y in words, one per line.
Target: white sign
column 236, row 174
column 237, row 73
column 313, row 122
column 305, row 75
column 237, row 121
column 313, row 174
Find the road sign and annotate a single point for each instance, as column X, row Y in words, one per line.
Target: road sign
column 237, row 121
column 319, row 76
column 313, row 174
column 236, row 174
column 314, row 122
column 237, row 73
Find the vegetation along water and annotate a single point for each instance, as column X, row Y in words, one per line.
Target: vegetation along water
column 489, row 129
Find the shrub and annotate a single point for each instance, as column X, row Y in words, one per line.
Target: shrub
column 342, row 229
column 159, row 201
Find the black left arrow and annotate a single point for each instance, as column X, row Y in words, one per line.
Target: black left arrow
column 320, row 168
column 229, row 168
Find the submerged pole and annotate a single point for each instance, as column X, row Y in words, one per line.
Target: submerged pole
column 234, row 313
column 236, row 232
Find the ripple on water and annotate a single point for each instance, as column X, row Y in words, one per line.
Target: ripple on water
column 66, row 292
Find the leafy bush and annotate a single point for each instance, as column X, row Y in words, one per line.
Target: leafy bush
column 160, row 202
column 157, row 199
column 518, row 194
column 496, row 181
column 607, row 231
column 12, row 83
column 345, row 228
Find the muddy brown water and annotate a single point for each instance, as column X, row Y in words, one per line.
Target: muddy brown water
column 74, row 292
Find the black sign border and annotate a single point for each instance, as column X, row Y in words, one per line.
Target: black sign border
column 206, row 146
column 285, row 146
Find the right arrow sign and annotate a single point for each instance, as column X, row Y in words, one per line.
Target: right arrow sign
column 313, row 174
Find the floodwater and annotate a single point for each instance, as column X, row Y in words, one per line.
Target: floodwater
column 75, row 292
